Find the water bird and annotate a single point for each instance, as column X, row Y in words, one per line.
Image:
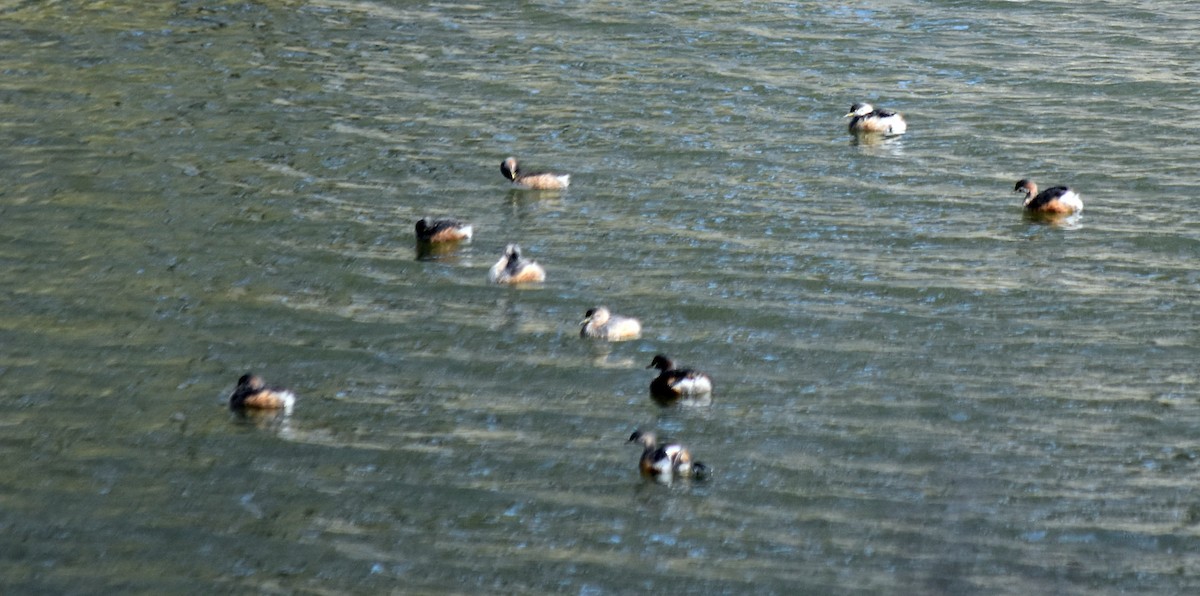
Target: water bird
column 666, row 461
column 443, row 230
column 533, row 181
column 1057, row 200
column 600, row 323
column 864, row 118
column 512, row 268
column 672, row 384
column 253, row 394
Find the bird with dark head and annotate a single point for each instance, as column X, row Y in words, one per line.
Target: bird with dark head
column 252, row 393
column 1054, row 201
column 512, row 268
column 533, row 180
column 672, row 383
column 599, row 323
column 865, row 119
column 666, row 461
column 442, row 230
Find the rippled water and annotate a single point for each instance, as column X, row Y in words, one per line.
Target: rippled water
column 918, row 391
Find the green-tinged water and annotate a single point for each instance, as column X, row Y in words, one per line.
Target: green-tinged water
column 918, row 391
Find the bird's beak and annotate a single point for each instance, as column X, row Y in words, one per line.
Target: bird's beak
column 848, row 115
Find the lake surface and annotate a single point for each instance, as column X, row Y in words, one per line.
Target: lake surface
column 918, row 390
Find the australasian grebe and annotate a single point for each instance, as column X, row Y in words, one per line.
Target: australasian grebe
column 673, row 383
column 443, row 230
column 864, row 118
column 512, row 268
column 1057, row 200
column 600, row 323
column 253, row 393
column 535, row 180
column 666, row 461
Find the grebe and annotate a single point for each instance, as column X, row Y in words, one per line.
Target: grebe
column 534, row 181
column 252, row 393
column 514, row 269
column 864, row 118
column 443, row 230
column 672, row 383
column 600, row 323
column 1057, row 200
column 667, row 461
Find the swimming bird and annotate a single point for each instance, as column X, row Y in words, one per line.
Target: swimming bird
column 534, row 181
column 672, row 383
column 1057, row 200
column 667, row 461
column 512, row 268
column 864, row 118
column 600, row 323
column 252, row 393
column 443, row 230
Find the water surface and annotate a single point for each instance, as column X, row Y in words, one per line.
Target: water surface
column 918, row 390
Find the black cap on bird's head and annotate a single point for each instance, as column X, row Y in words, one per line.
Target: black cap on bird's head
column 250, row 381
column 859, row 109
column 647, row 439
column 661, row 362
column 508, row 167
